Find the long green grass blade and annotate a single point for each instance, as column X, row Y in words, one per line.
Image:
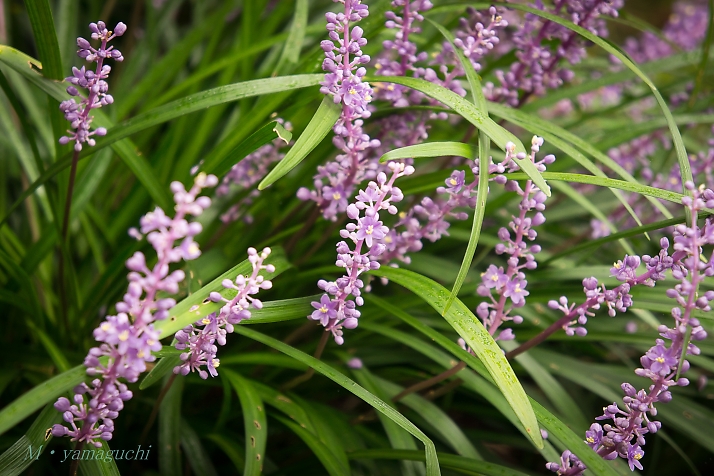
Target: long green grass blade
column 448, row 461
column 255, row 423
column 474, row 115
column 432, row 465
column 316, row 130
column 477, row 337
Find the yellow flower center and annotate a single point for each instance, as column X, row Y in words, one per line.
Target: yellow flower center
column 336, row 196
column 216, row 363
column 205, row 321
column 323, row 309
column 638, row 456
column 660, row 360
column 123, row 336
column 617, row 265
column 370, row 230
column 590, row 439
column 453, row 181
column 353, row 91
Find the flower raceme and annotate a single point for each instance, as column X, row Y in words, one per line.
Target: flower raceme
column 198, row 340
column 128, row 338
column 78, row 113
column 336, row 310
column 666, row 360
column 343, row 63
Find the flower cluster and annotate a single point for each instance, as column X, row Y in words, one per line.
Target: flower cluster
column 78, row 113
column 336, row 309
column 128, row 338
column 246, row 173
column 617, row 299
column 664, row 362
column 501, row 285
column 428, row 219
column 478, row 34
column 343, row 62
column 199, row 340
column 684, row 31
column 536, row 69
column 406, row 25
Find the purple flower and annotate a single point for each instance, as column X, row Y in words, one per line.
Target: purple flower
column 325, row 310
column 455, row 182
column 78, row 113
column 634, row 455
column 340, row 311
column 661, row 364
column 198, row 341
column 494, row 277
column 516, row 290
column 343, row 81
column 369, row 228
column 499, row 285
column 660, row 359
column 128, row 338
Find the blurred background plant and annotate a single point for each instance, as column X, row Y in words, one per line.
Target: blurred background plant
column 221, row 87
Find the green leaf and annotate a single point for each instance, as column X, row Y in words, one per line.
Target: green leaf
column 162, row 368
column 682, row 158
column 431, row 149
column 293, row 45
column 197, row 305
column 316, row 130
column 254, row 422
column 41, row 394
column 220, row 166
column 432, row 465
column 484, row 386
column 454, row 462
column 479, row 212
column 333, row 465
column 398, row 438
column 673, row 197
column 196, row 454
column 170, row 429
column 93, row 467
column 562, row 138
column 469, row 327
column 474, row 115
column 17, row 458
column 435, row 416
column 206, row 99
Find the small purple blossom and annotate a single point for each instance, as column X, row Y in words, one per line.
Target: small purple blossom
column 625, row 436
column 198, row 341
column 343, row 81
column 497, row 284
column 128, row 338
column 336, row 309
column 78, row 113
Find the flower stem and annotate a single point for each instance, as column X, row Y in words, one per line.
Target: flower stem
column 310, row 372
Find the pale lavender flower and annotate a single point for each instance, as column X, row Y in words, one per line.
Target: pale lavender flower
column 198, row 341
column 343, row 63
column 336, row 310
column 128, row 338
column 570, row 465
column 246, row 173
column 501, row 286
column 625, row 436
column 537, row 67
column 78, row 113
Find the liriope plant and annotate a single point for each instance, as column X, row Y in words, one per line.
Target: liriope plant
column 407, row 304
